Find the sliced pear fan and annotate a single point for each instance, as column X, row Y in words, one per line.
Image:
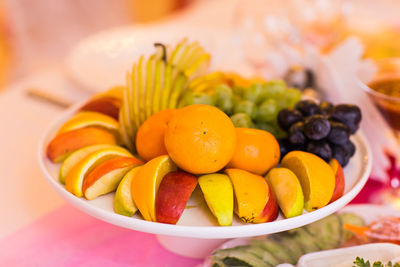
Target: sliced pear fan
column 157, row 83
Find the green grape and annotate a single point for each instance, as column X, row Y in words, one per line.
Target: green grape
column 223, row 91
column 268, row 127
column 267, row 111
column 225, row 104
column 236, row 99
column 242, row 120
column 191, row 97
column 292, row 96
column 245, row 106
column 253, row 93
column 273, row 89
column 238, row 91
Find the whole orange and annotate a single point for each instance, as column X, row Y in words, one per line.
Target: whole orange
column 256, row 151
column 150, row 136
column 200, row 139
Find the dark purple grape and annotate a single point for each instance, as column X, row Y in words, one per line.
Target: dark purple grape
column 307, row 108
column 321, row 149
column 349, row 147
column 284, row 146
column 287, row 117
column 340, row 153
column 296, row 134
column 317, row 127
column 326, row 108
column 348, row 114
column 339, row 133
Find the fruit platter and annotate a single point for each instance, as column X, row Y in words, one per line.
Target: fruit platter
column 181, row 150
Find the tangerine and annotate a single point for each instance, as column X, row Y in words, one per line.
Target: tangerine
column 257, row 151
column 150, row 136
column 200, row 139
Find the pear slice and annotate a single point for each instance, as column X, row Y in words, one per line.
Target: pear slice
column 177, row 53
column 178, row 89
column 168, row 79
column 150, row 83
column 218, row 193
column 159, row 85
column 199, row 66
column 123, row 201
column 141, row 74
column 135, row 97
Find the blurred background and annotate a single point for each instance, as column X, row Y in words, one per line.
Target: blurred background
column 39, row 34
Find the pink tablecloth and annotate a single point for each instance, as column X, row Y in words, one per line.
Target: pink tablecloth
column 68, row 237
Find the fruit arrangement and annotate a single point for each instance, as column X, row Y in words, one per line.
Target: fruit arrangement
column 251, row 103
column 322, row 129
column 173, row 130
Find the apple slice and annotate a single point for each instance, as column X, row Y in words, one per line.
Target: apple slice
column 251, row 192
column 64, row 144
column 218, row 192
column 315, row 175
column 89, row 118
column 287, row 189
column 75, row 177
column 146, row 182
column 270, row 211
column 106, row 105
column 106, row 177
column 123, row 200
column 173, row 194
column 77, row 156
column 339, row 179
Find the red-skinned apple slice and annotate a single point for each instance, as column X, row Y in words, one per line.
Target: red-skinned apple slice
column 271, row 210
column 339, row 179
column 173, row 194
column 105, row 177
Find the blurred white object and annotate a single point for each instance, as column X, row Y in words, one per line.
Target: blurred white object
column 344, row 257
column 339, row 75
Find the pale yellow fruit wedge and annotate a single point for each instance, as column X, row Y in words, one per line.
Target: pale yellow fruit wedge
column 146, row 182
column 123, row 200
column 315, row 175
column 89, row 118
column 75, row 177
column 218, row 193
column 287, row 190
column 77, row 156
column 115, row 91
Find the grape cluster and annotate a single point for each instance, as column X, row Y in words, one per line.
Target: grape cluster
column 255, row 106
column 322, row 129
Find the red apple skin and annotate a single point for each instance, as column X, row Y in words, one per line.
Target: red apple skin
column 270, row 211
column 339, row 179
column 173, row 194
column 106, row 105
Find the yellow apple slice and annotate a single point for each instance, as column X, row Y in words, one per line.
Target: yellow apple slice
column 126, row 138
column 251, row 192
column 315, row 175
column 177, row 90
column 141, row 76
column 218, row 193
column 75, row 177
column 168, row 76
column 106, row 177
column 287, row 190
column 77, row 156
column 89, row 118
column 146, row 182
column 123, row 201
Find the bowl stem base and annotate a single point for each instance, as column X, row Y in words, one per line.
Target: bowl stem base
column 189, row 247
